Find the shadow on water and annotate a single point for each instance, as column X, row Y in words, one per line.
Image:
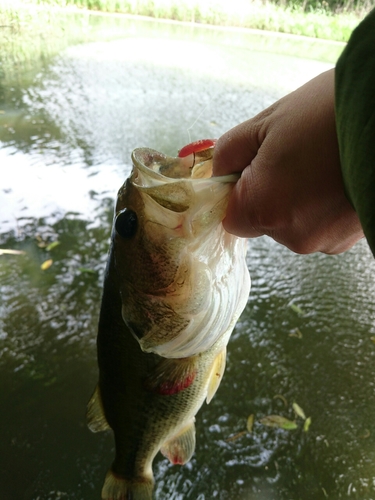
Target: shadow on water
column 66, row 134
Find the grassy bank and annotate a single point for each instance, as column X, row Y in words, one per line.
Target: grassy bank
column 31, row 31
column 327, row 20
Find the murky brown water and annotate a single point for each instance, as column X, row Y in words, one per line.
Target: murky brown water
column 66, row 134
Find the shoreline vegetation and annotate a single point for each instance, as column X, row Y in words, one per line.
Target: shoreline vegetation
column 326, row 19
column 31, row 31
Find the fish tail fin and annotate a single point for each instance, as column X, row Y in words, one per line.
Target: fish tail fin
column 180, row 448
column 96, row 420
column 217, row 372
column 118, row 488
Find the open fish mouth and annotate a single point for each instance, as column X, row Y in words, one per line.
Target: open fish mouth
column 193, row 166
column 176, row 182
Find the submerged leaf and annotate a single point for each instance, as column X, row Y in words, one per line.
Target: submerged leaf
column 46, row 264
column 87, row 270
column 8, row 251
column 40, row 241
column 296, row 332
column 366, row 434
column 283, row 399
column 296, row 309
column 298, row 411
column 235, row 436
column 50, row 382
column 306, row 425
column 249, row 428
column 278, row 421
column 250, row 423
column 52, row 245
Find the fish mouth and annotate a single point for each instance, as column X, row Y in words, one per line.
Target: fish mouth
column 176, row 183
column 161, row 168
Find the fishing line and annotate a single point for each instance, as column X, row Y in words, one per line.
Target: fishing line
column 195, row 121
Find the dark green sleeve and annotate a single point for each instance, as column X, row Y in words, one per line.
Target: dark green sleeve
column 355, row 121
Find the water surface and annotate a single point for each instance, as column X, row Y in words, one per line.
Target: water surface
column 66, row 134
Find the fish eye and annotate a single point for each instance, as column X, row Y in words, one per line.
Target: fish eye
column 126, row 223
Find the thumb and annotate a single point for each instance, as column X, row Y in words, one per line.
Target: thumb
column 241, row 218
column 235, row 149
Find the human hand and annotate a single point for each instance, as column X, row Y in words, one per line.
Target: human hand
column 291, row 186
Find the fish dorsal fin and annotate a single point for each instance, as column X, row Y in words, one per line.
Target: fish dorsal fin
column 180, row 448
column 96, row 420
column 217, row 372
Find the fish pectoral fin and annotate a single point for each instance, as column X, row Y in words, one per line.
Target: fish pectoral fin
column 180, row 448
column 217, row 372
column 172, row 376
column 117, row 488
column 96, row 420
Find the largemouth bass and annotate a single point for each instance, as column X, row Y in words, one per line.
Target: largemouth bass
column 175, row 284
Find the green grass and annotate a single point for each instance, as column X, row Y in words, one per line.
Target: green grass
column 31, row 31
column 297, row 17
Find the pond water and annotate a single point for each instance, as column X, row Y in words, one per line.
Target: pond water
column 68, row 125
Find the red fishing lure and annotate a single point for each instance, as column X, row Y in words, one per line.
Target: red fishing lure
column 196, row 147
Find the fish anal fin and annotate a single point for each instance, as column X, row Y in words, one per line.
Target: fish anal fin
column 172, row 376
column 118, row 488
column 217, row 372
column 96, row 420
column 180, row 448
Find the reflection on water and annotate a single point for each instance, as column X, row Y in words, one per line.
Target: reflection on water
column 305, row 336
